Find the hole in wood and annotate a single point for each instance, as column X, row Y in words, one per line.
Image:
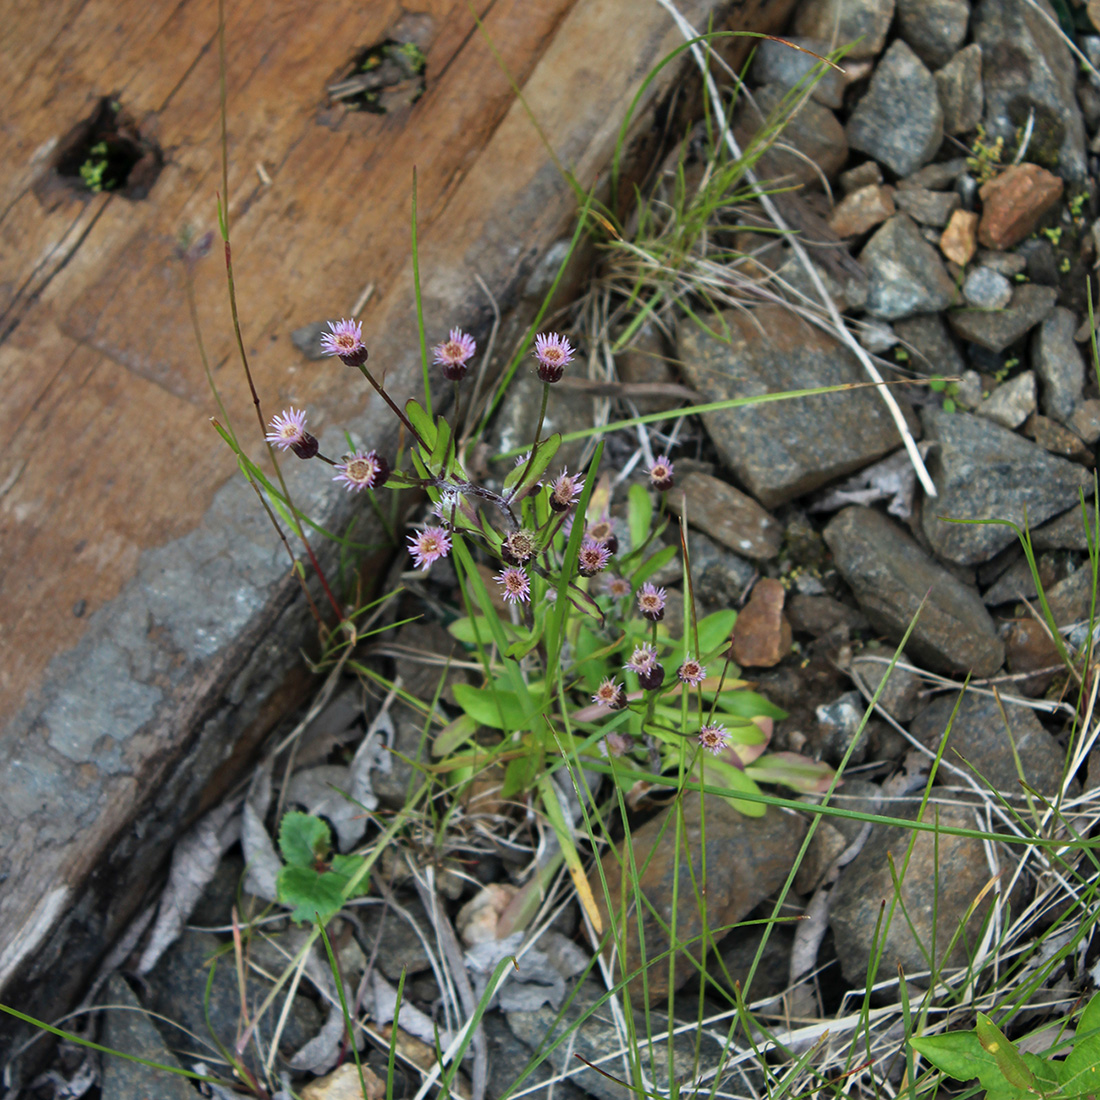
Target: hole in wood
column 382, row 78
column 108, row 152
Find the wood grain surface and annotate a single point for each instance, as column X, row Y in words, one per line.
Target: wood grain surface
column 151, row 634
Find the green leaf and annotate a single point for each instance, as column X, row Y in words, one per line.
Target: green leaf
column 493, row 707
column 1080, row 1072
column 454, row 734
column 639, row 515
column 303, row 839
column 531, row 472
column 995, row 1042
column 651, row 565
column 714, row 631
column 438, row 460
column 521, row 773
column 468, row 630
column 959, row 1054
column 311, row 893
column 748, row 704
column 422, row 422
column 734, row 779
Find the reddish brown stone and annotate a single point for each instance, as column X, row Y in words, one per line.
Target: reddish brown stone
column 960, row 239
column 1013, row 203
column 1053, row 437
column 727, row 515
column 862, row 210
column 762, row 636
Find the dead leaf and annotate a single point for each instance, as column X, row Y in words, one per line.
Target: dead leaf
column 194, row 861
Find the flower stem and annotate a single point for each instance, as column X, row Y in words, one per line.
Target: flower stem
column 399, row 413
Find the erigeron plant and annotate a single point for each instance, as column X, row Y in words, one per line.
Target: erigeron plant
column 585, row 667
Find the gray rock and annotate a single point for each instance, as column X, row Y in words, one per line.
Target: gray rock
column 985, row 288
column 959, row 86
column 863, row 175
column 904, row 272
column 777, row 63
column 727, row 515
column 943, row 876
column 1015, row 583
column 877, row 337
column 845, row 22
column 177, row 991
column 899, row 121
column 1012, row 402
column 997, row 329
column 846, row 287
column 1007, row 264
column 934, row 28
column 508, row 1059
column 398, row 945
column 1059, row 364
column 128, row 1029
column 1067, row 531
column 891, row 576
column 813, row 132
column 931, row 347
column 982, row 472
column 927, row 207
column 978, row 734
column 935, row 176
column 1026, row 66
column 746, row 859
column 783, row 449
column 597, row 1040
column 409, row 744
column 1085, row 420
column 839, row 725
column 900, row 696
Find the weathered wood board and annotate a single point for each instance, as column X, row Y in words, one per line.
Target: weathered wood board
column 151, row 633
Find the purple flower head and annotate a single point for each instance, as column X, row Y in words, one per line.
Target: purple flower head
column 453, row 354
column 714, row 738
column 616, row 586
column 519, row 546
column 287, row 431
column 617, row 743
column 361, row 470
column 610, row 694
column 429, row 545
column 566, row 491
column 643, row 659
column 554, row 353
column 661, row 474
column 691, row 672
column 592, row 558
column 602, row 532
column 345, row 339
column 514, row 585
column 651, row 602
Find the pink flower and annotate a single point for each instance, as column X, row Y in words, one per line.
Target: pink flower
column 515, row 587
column 691, row 672
column 287, row 428
column 554, row 353
column 287, row 431
column 661, row 473
column 643, row 659
column 618, row 744
column 592, row 558
column 616, row 586
column 453, row 354
column 362, row 471
column 610, row 694
column 519, row 546
column 429, row 545
column 714, row 738
column 345, row 339
column 566, row 490
column 651, row 602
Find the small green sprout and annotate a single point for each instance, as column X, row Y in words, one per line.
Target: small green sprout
column 94, row 169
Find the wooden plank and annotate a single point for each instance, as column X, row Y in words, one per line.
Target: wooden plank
column 151, row 630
